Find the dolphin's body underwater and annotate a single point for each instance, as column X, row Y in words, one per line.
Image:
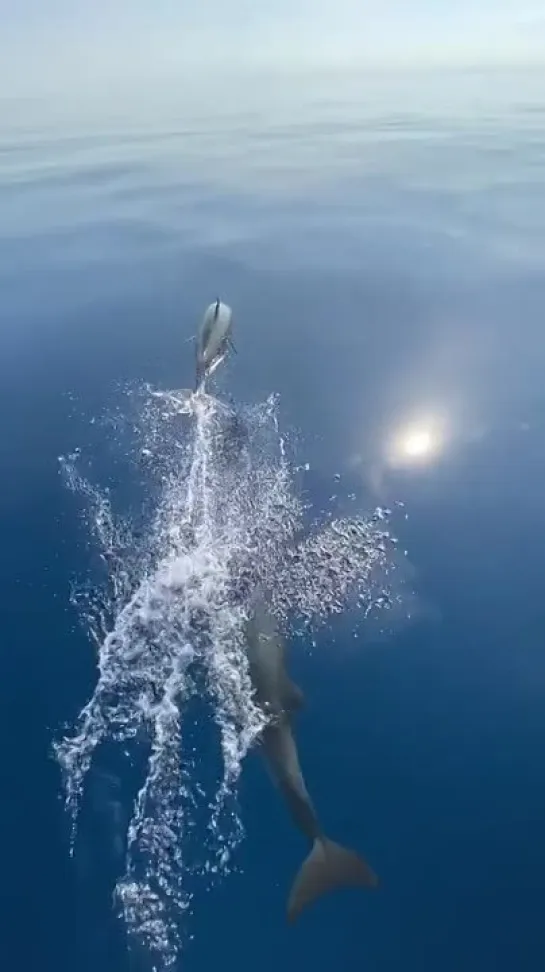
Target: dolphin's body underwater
column 328, row 865
column 212, row 341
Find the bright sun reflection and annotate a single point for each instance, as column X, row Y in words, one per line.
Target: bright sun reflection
column 416, row 444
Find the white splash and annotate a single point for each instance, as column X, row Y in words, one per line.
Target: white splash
column 170, row 627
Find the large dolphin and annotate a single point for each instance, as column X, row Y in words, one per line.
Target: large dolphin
column 328, row 865
column 212, row 341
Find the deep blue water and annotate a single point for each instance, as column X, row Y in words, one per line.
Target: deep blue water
column 382, row 242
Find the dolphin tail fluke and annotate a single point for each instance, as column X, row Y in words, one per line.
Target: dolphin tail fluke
column 327, row 867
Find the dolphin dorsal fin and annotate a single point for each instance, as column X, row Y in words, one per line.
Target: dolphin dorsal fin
column 292, row 696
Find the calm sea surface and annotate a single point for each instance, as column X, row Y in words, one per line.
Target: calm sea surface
column 382, row 242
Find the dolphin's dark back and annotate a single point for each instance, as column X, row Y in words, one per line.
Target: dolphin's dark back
column 266, row 659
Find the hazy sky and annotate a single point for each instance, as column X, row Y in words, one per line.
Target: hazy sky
column 47, row 42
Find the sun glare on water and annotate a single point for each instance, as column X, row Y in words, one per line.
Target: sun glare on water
column 416, row 444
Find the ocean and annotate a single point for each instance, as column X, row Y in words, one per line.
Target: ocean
column 381, row 240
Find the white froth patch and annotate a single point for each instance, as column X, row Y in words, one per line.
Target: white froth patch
column 168, row 624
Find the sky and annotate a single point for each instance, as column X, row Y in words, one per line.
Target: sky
column 69, row 44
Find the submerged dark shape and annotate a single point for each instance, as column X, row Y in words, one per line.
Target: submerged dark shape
column 212, row 341
column 328, row 865
column 231, row 439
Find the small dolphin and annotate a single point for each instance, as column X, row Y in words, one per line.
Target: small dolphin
column 213, row 341
column 328, row 865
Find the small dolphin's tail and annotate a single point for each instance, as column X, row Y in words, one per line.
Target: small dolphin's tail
column 328, row 866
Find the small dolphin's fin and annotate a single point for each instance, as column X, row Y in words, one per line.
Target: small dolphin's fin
column 327, row 867
column 231, row 344
column 292, row 696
